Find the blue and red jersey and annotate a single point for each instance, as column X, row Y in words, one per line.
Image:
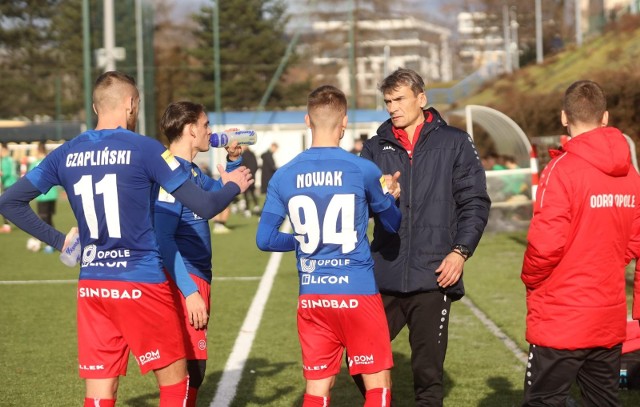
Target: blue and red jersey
column 183, row 236
column 326, row 192
column 191, row 235
column 108, row 176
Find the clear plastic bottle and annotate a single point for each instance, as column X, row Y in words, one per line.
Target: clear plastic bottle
column 70, row 255
column 223, row 139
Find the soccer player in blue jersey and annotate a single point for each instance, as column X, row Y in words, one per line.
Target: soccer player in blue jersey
column 326, row 192
column 184, row 237
column 125, row 303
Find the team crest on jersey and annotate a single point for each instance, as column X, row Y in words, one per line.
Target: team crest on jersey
column 170, row 160
column 307, row 265
column 164, row 196
column 383, row 184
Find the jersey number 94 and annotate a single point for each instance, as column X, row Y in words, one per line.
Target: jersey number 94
column 305, row 220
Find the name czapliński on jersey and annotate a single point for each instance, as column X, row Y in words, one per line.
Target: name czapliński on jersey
column 319, row 179
column 97, row 158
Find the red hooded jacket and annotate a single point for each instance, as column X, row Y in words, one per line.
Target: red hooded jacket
column 579, row 244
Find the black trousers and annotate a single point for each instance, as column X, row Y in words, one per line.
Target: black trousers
column 427, row 317
column 46, row 210
column 551, row 372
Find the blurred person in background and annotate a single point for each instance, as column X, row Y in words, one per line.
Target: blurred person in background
column 268, row 167
column 250, row 161
column 357, row 146
column 8, row 177
column 45, row 203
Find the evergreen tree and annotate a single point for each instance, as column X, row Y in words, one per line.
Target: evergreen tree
column 41, row 59
column 252, row 42
column 26, row 58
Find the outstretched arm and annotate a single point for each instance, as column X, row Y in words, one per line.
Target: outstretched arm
column 382, row 192
column 208, row 204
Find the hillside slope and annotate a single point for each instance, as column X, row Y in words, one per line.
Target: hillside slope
column 619, row 50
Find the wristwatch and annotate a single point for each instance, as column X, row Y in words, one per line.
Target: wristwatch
column 462, row 250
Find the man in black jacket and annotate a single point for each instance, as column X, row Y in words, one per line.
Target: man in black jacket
column 445, row 207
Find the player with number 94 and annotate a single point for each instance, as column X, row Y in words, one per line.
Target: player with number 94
column 327, row 192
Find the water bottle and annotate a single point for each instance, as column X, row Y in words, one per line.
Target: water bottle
column 243, row 137
column 624, row 383
column 70, row 255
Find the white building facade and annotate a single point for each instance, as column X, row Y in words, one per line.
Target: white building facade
column 383, row 46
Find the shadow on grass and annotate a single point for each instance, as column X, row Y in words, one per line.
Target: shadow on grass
column 502, row 393
column 522, row 241
column 145, row 400
column 345, row 393
column 255, row 369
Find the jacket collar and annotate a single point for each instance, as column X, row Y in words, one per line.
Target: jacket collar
column 433, row 120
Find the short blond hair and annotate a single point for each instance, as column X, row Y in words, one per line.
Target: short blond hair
column 329, row 99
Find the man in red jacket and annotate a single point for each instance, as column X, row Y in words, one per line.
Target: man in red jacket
column 574, row 265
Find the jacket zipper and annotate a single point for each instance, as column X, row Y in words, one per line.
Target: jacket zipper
column 405, row 282
column 425, row 136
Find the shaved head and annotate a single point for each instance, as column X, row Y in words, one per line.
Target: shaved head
column 116, row 99
column 112, row 89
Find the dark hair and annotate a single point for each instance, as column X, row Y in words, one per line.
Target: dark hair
column 403, row 77
column 177, row 115
column 584, row 102
column 327, row 96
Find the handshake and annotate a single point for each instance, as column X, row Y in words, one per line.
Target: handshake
column 392, row 184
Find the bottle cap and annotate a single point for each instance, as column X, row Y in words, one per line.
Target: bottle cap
column 218, row 140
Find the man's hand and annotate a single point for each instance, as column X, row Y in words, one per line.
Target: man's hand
column 197, row 310
column 234, row 151
column 450, row 270
column 69, row 238
column 241, row 176
column 392, row 184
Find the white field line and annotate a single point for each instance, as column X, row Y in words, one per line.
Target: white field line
column 228, row 385
column 496, row 331
column 508, row 342
column 23, row 282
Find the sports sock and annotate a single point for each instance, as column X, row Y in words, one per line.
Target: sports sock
column 192, row 396
column 91, row 402
column 175, row 394
column 379, row 397
column 315, row 401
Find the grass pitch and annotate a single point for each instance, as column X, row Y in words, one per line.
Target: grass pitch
column 38, row 341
